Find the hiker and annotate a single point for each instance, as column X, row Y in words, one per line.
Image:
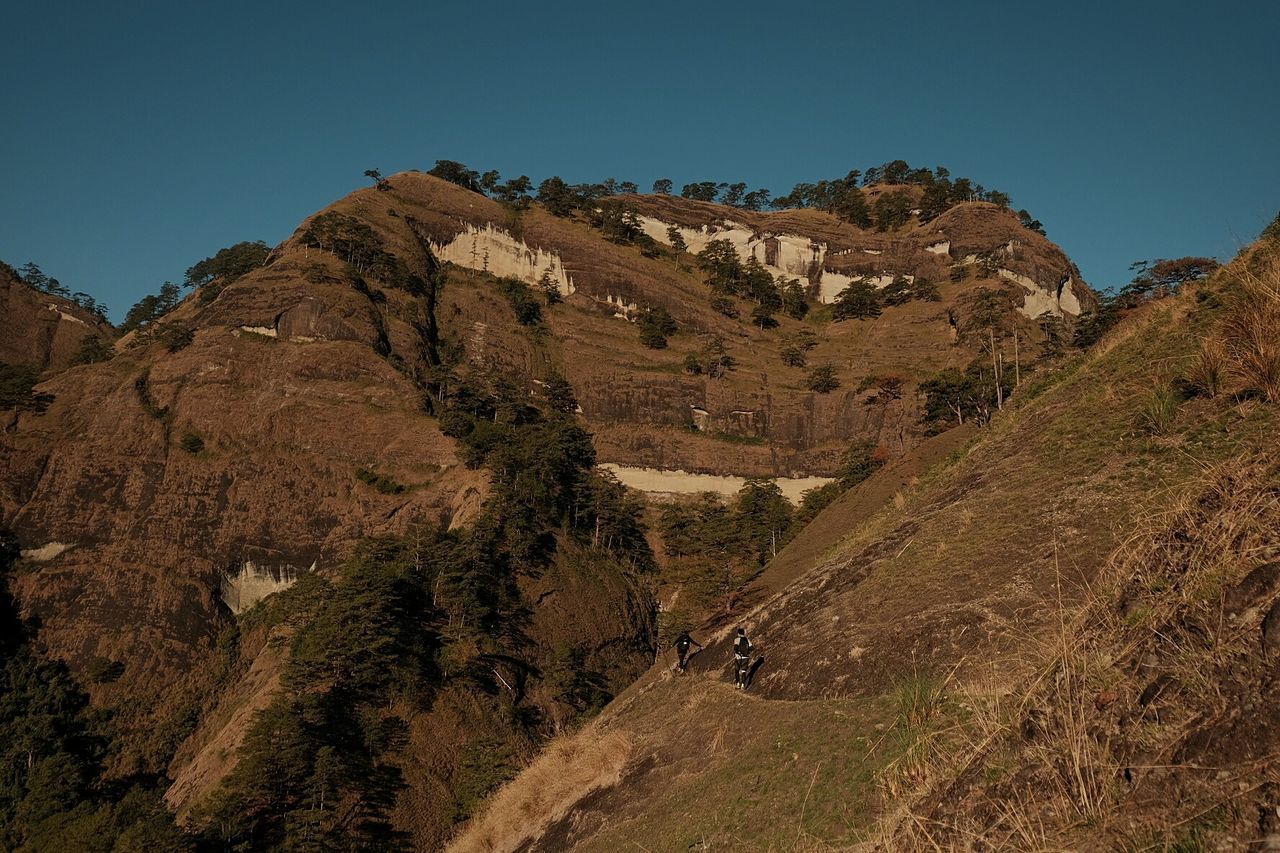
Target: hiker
column 682, row 648
column 741, row 659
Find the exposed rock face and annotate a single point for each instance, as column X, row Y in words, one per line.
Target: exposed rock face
column 42, row 330
column 306, row 371
column 130, row 537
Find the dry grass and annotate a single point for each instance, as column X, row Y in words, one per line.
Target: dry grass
column 1158, row 597
column 1207, row 373
column 567, row 769
column 1251, row 331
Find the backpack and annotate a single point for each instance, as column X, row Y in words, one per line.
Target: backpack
column 741, row 647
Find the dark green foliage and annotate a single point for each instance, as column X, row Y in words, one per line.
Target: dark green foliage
column 486, row 763
column 656, row 325
column 383, row 484
column 228, row 264
column 892, row 210
column 716, row 548
column 725, row 305
column 379, row 183
column 559, row 395
column 521, row 299
column 662, row 186
column 794, row 303
column 957, row 395
column 355, row 242
column 35, row 278
column 52, row 747
column 717, row 360
column 902, row 290
column 1030, row 223
column 174, row 336
column 93, row 349
column 103, row 671
column 762, row 316
column 17, row 389
column 550, row 288
column 557, row 197
column 719, row 260
column 792, row 355
column 1092, row 326
column 859, row 462
column 702, row 191
column 692, row 365
column 456, row 173
column 823, row 379
column 191, row 442
column 1163, row 277
column 617, row 222
column 143, row 386
column 859, row 301
column 152, row 307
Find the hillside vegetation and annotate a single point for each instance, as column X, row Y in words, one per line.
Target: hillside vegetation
column 1060, row 638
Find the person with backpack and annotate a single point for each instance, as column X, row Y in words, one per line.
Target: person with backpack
column 683, row 642
column 741, row 659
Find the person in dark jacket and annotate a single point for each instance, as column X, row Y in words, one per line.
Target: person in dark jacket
column 741, row 659
column 683, row 642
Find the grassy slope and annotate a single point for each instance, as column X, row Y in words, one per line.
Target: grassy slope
column 960, row 573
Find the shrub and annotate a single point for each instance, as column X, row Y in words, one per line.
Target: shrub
column 520, row 297
column 793, row 356
column 103, row 671
column 1160, row 410
column 93, row 349
column 920, row 695
column 385, row 485
column 191, row 442
column 1207, row 372
column 692, row 365
column 823, row 379
column 143, row 386
column 726, row 306
column 655, row 325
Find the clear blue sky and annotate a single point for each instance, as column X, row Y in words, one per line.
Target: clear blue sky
column 141, row 137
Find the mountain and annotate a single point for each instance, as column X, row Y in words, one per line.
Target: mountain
column 43, row 330
column 1062, row 636
column 350, row 495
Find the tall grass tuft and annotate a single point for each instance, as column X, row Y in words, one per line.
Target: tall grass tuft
column 1160, row 411
column 1251, row 333
column 1207, row 373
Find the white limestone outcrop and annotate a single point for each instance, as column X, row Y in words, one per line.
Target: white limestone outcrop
column 496, row 251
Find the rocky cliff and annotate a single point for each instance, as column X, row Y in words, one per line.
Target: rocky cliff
column 40, row 329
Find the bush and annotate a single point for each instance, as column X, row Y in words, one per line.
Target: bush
column 385, row 485
column 143, row 386
column 520, row 297
column 1206, row 374
column 191, row 442
column 93, row 349
column 823, row 379
column 655, row 325
column 17, row 388
column 1160, row 410
column 692, row 365
column 103, row 671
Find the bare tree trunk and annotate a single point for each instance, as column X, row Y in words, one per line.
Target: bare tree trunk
column 1017, row 365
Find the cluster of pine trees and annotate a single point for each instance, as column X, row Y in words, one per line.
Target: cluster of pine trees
column 715, row 548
